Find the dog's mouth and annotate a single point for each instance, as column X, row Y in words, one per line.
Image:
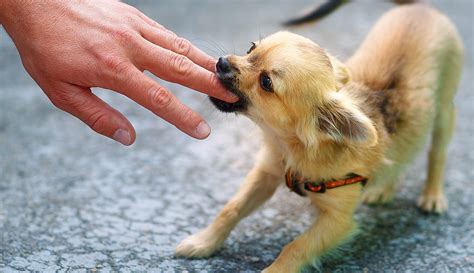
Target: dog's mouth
column 238, row 106
column 226, row 75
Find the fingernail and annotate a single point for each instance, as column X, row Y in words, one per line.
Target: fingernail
column 122, row 136
column 203, row 130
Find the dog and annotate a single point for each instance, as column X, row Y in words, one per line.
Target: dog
column 330, row 127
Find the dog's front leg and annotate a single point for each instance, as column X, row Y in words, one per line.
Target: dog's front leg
column 333, row 226
column 259, row 186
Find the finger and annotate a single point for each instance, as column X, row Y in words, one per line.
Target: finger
column 177, row 68
column 146, row 92
column 171, row 41
column 98, row 115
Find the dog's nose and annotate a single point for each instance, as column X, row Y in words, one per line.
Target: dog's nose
column 223, row 65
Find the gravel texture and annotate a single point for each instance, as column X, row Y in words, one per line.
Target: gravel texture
column 73, row 201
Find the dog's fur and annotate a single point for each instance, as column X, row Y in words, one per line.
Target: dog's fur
column 326, row 119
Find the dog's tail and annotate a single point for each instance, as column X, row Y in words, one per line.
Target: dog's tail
column 327, row 8
column 317, row 13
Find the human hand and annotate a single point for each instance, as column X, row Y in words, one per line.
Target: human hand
column 69, row 47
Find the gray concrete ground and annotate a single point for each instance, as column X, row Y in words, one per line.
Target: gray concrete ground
column 71, row 200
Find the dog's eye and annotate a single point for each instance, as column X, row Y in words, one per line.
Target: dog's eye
column 251, row 48
column 266, row 82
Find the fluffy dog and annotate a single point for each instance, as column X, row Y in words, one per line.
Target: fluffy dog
column 328, row 125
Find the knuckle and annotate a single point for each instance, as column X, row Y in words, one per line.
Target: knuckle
column 97, row 120
column 116, row 65
column 182, row 46
column 181, row 65
column 124, row 35
column 133, row 21
column 160, row 97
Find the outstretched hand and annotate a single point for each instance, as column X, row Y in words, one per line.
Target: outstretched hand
column 69, row 47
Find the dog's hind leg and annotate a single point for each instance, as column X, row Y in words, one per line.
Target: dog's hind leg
column 432, row 199
column 259, row 186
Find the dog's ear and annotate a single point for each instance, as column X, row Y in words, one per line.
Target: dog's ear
column 341, row 72
column 342, row 121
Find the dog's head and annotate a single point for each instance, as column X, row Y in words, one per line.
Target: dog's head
column 289, row 85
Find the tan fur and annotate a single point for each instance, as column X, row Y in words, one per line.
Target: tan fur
column 326, row 119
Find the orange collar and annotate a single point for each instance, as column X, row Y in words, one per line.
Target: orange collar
column 294, row 181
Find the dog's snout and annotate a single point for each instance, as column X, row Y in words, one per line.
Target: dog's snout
column 223, row 65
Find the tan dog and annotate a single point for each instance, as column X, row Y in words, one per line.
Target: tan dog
column 325, row 121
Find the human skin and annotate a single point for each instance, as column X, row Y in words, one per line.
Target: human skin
column 69, row 47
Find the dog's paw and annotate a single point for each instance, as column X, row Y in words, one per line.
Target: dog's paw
column 199, row 245
column 377, row 195
column 433, row 203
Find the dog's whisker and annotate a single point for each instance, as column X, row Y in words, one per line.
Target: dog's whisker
column 210, row 45
column 215, row 46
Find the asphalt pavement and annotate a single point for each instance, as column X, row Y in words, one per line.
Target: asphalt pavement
column 73, row 201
